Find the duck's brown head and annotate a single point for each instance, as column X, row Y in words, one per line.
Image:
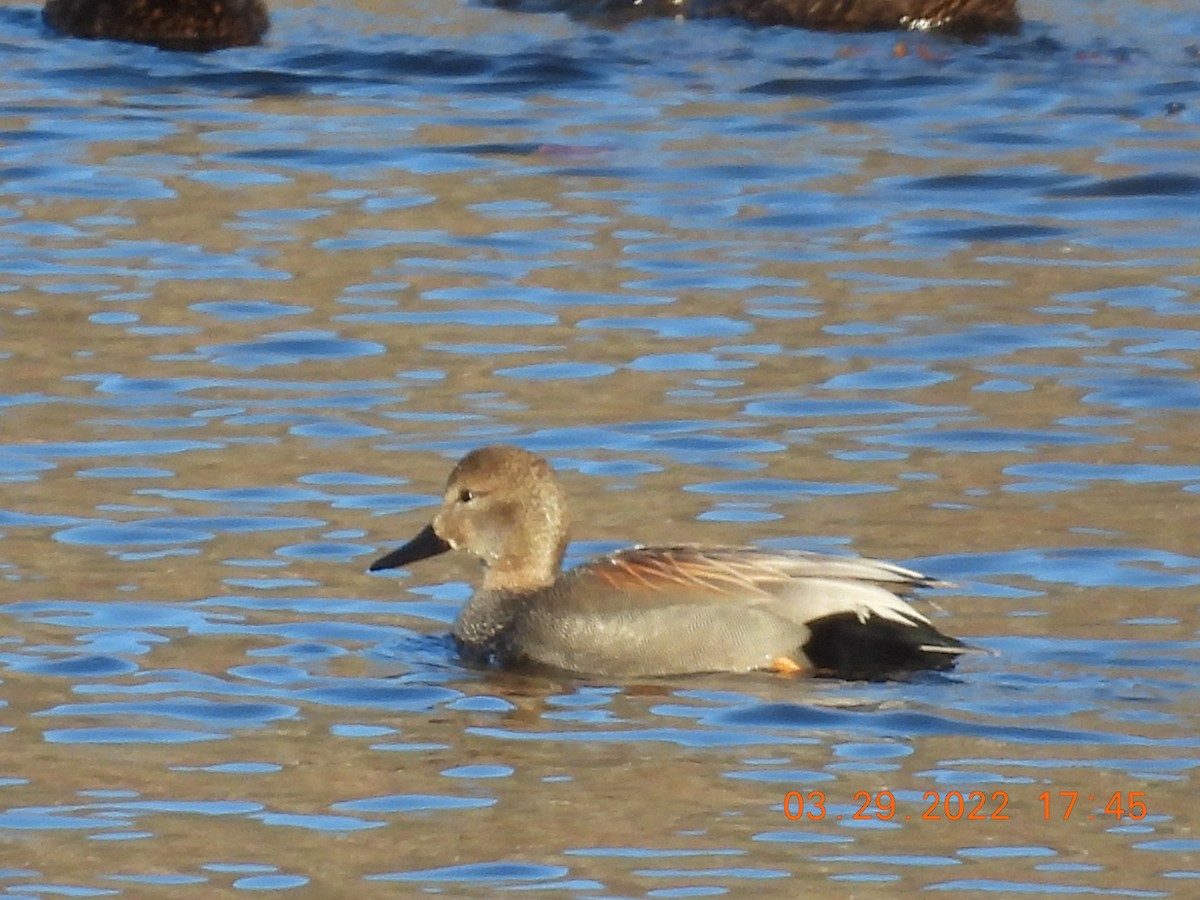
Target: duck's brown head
column 503, row 505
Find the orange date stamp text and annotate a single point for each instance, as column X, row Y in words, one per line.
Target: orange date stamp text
column 971, row 806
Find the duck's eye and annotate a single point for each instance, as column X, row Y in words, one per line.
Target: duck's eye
column 466, row 495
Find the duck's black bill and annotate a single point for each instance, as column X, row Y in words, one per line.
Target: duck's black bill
column 423, row 546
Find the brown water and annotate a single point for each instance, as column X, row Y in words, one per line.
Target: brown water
column 918, row 300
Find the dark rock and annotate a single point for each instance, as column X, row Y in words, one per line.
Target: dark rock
column 965, row 18
column 170, row 24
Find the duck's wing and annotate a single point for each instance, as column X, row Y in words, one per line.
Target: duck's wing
column 811, row 584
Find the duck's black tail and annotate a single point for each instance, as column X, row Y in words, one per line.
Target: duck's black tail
column 878, row 648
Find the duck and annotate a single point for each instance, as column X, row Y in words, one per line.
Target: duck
column 645, row 612
column 962, row 18
column 196, row 25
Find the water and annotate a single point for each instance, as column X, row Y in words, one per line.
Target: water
column 878, row 294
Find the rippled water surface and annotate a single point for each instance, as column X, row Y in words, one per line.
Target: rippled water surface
column 880, row 294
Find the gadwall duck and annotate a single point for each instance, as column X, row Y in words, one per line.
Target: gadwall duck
column 199, row 25
column 653, row 611
column 965, row 18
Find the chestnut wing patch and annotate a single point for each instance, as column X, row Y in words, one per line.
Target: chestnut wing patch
column 696, row 573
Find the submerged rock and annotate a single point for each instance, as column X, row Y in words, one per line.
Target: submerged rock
column 169, row 24
column 965, row 18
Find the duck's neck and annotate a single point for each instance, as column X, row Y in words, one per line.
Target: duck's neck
column 506, row 588
column 529, row 560
column 485, row 616
column 524, row 578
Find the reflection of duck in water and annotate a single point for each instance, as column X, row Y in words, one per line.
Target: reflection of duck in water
column 961, row 17
column 169, row 24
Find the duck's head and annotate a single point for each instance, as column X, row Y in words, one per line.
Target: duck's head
column 504, row 506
